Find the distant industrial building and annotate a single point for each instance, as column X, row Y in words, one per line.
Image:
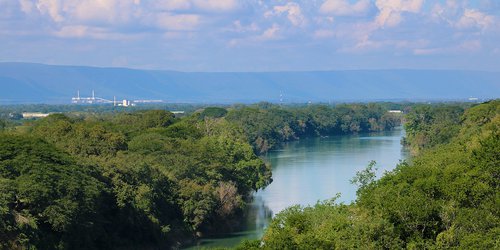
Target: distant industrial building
column 98, row 100
column 88, row 100
column 395, row 111
column 28, row 115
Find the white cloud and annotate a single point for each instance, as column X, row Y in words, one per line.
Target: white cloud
column 179, row 22
column 293, row 12
column 26, row 6
column 344, row 8
column 240, row 28
column 206, row 5
column 73, row 31
column 392, row 43
column 389, row 18
column 85, row 11
column 448, row 25
column 52, row 8
column 271, row 33
column 216, row 5
column 110, row 11
column 400, row 5
column 82, row 31
column 80, row 18
column 457, row 15
column 390, row 11
column 469, row 46
column 474, row 18
column 171, row 5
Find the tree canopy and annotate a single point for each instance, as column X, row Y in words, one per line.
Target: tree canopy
column 104, row 178
column 446, row 197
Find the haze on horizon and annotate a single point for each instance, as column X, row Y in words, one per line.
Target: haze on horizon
column 253, row 35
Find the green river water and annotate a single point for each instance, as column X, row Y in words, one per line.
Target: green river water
column 313, row 169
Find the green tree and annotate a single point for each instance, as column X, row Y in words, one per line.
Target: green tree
column 213, row 112
column 47, row 199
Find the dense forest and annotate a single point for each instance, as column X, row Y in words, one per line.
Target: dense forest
column 267, row 126
column 148, row 179
column 134, row 179
column 445, row 197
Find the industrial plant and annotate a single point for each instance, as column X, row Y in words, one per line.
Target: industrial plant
column 98, row 100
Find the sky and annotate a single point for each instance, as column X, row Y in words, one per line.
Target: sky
column 253, row 35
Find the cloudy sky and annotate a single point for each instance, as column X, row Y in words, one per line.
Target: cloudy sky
column 253, row 35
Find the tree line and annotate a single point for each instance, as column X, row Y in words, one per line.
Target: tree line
column 142, row 179
column 268, row 126
column 446, row 197
column 146, row 179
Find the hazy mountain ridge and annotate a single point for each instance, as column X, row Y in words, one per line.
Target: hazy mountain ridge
column 27, row 82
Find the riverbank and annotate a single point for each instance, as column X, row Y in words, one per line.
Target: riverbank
column 313, row 169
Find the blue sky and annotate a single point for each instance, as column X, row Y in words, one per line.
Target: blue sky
column 252, row 35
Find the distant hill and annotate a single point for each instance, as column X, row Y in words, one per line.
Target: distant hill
column 35, row 83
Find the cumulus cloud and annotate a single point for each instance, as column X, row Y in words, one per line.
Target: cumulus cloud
column 390, row 11
column 446, row 11
column 110, row 11
column 216, row 5
column 52, row 8
column 271, row 33
column 400, row 5
column 80, row 18
column 474, row 18
column 344, row 8
column 205, row 5
column 292, row 11
column 423, row 27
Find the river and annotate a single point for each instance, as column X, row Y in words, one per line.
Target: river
column 313, row 169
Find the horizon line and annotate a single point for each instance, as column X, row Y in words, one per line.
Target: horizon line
column 271, row 71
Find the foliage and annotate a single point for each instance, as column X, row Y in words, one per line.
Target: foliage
column 267, row 125
column 213, row 112
column 133, row 180
column 446, row 198
column 365, row 177
column 427, row 126
column 46, row 198
column 102, row 178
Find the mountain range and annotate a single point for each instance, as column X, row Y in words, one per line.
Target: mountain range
column 40, row 83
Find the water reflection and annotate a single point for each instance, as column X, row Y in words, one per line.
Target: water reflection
column 256, row 219
column 314, row 169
